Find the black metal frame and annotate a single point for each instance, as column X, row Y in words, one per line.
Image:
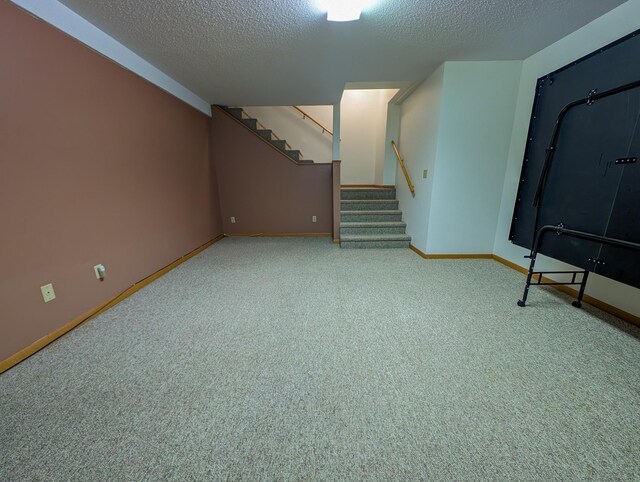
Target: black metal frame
column 560, row 230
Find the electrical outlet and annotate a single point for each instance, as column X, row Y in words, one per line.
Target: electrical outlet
column 425, row 173
column 314, row 219
column 233, row 220
column 100, row 271
column 48, row 293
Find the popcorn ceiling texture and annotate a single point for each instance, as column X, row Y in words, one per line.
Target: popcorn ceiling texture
column 266, row 52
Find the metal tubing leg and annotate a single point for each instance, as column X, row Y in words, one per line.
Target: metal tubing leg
column 523, row 301
column 583, row 285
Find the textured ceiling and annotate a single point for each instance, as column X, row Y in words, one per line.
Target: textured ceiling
column 284, row 52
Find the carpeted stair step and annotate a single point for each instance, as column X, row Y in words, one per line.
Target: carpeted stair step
column 293, row 154
column 370, row 216
column 267, row 134
column 368, row 205
column 234, row 111
column 363, row 241
column 347, row 193
column 282, row 145
column 397, row 227
column 251, row 123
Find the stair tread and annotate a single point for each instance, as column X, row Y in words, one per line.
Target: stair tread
column 367, row 188
column 373, row 224
column 377, row 211
column 375, row 237
column 364, row 201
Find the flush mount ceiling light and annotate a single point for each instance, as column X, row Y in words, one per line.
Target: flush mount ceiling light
column 343, row 10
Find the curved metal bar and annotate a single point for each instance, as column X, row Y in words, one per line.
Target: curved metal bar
column 590, row 99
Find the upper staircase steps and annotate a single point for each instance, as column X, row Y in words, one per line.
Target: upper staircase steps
column 370, row 218
column 267, row 134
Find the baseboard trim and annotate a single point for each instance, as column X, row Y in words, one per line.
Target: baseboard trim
column 633, row 319
column 38, row 345
column 280, row 235
column 606, row 307
column 368, row 186
column 336, row 241
column 449, row 256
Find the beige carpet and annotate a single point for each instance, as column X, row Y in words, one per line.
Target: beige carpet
column 291, row 359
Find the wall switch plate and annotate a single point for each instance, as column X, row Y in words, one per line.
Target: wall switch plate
column 233, row 220
column 47, row 293
column 314, row 219
column 425, row 173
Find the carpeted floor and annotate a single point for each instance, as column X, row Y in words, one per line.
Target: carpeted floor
column 291, row 359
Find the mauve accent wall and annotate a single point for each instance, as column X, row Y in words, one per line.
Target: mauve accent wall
column 96, row 166
column 262, row 189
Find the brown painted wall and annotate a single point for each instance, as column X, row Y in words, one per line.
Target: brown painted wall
column 96, row 166
column 265, row 191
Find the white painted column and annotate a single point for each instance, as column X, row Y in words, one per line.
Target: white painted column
column 394, row 112
column 336, row 132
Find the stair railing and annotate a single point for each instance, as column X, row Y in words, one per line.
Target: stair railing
column 273, row 135
column 404, row 169
column 307, row 116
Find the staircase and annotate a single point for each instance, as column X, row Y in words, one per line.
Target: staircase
column 370, row 218
column 283, row 146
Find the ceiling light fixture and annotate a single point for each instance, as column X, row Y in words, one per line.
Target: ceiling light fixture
column 344, row 10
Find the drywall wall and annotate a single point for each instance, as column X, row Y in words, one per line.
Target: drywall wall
column 288, row 124
column 420, row 123
column 262, row 189
column 97, row 165
column 457, row 126
column 65, row 19
column 363, row 125
column 394, row 114
column 608, row 28
column 478, row 104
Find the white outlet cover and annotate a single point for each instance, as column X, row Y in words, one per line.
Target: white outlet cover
column 48, row 294
column 233, row 220
column 314, row 219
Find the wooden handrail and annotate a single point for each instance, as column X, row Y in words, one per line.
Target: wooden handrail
column 404, row 169
column 307, row 116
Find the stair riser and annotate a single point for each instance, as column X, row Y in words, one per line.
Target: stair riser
column 347, row 194
column 373, row 230
column 251, row 123
column 370, row 218
column 374, row 244
column 368, row 206
column 279, row 144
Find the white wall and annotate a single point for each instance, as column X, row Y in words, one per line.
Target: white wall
column 478, row 104
column 457, row 125
column 394, row 114
column 420, row 122
column 608, row 28
column 363, row 124
column 288, row 124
